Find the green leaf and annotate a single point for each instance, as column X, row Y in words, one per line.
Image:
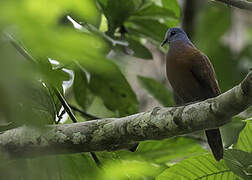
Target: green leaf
column 98, row 109
column 122, row 170
column 245, row 142
column 210, row 42
column 157, row 90
column 163, row 152
column 153, row 11
column 82, row 94
column 140, row 51
column 172, row 5
column 115, row 91
column 205, row 36
column 198, row 167
column 230, row 132
column 35, row 99
column 61, row 167
column 116, row 12
column 239, row 162
column 151, row 29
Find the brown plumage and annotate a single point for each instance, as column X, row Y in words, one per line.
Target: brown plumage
column 192, row 78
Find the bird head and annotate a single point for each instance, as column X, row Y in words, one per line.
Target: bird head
column 175, row 34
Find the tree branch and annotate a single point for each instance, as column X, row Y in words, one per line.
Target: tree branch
column 121, row 133
column 242, row 4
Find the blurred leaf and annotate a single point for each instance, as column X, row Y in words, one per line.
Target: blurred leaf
column 153, row 11
column 172, row 5
column 124, row 170
column 230, row 132
column 36, row 99
column 82, row 94
column 198, row 167
column 206, row 36
column 110, row 40
column 140, row 50
column 245, row 142
column 221, row 57
column 210, row 42
column 147, row 28
column 63, row 167
column 165, row 151
column 239, row 162
column 157, row 90
column 116, row 12
column 49, row 12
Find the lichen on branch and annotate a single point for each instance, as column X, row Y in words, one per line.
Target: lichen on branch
column 122, row 133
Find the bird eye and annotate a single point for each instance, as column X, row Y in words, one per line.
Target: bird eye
column 172, row 33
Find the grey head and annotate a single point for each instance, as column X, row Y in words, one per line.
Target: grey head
column 176, row 34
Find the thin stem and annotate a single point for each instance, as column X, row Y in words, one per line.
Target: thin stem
column 65, row 105
column 84, row 114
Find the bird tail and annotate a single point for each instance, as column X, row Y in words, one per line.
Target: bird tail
column 215, row 143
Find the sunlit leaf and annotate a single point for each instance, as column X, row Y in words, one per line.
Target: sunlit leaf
column 168, row 150
column 122, row 170
column 245, row 142
column 172, row 5
column 198, row 167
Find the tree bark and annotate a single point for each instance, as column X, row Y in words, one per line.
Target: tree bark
column 242, row 4
column 121, row 133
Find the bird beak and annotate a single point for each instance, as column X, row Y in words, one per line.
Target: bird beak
column 164, row 42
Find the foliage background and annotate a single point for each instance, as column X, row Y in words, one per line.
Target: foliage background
column 104, row 57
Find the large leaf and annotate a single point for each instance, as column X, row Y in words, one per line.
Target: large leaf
column 23, row 91
column 198, row 167
column 245, row 142
column 64, row 167
column 230, row 132
column 239, row 162
column 116, row 12
column 151, row 29
column 115, row 91
column 122, row 170
column 49, row 11
column 154, row 11
column 157, row 90
column 172, row 5
column 168, row 150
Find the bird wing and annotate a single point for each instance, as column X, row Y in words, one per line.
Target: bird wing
column 203, row 72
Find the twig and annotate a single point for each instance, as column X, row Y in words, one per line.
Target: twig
column 60, row 116
column 242, row 4
column 65, row 105
column 84, row 114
